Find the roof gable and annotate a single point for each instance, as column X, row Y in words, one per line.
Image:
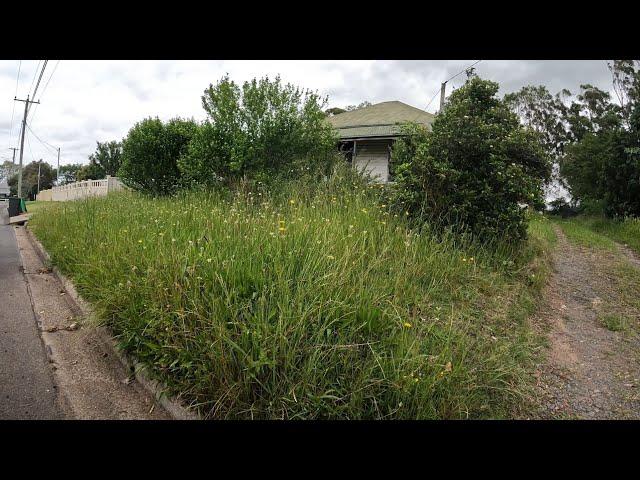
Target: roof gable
column 379, row 119
column 385, row 113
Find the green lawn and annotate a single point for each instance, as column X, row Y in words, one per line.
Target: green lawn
column 309, row 305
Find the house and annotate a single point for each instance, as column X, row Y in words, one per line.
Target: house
column 367, row 134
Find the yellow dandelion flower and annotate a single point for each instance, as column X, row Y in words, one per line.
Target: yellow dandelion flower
column 407, row 325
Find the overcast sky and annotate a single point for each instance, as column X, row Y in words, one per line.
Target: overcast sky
column 89, row 101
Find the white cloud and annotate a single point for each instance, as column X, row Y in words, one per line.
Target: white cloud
column 98, row 100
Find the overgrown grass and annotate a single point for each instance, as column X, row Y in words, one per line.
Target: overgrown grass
column 625, row 231
column 34, row 206
column 307, row 305
column 578, row 232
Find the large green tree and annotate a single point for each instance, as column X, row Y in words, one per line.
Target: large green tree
column 475, row 170
column 260, row 130
column 108, row 156
column 150, row 154
column 30, row 179
column 602, row 164
column 543, row 113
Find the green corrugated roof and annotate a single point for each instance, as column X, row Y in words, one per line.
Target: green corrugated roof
column 379, row 120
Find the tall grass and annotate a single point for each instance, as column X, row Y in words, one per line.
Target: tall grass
column 309, row 303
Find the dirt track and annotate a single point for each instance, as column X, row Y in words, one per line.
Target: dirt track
column 591, row 372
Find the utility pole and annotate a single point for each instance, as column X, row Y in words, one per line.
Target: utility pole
column 58, row 169
column 14, row 154
column 39, row 164
column 442, row 90
column 24, row 128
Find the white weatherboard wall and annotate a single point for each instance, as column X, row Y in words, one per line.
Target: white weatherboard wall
column 84, row 189
column 372, row 157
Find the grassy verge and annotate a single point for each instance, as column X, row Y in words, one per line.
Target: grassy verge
column 579, row 232
column 311, row 306
column 623, row 231
column 35, row 206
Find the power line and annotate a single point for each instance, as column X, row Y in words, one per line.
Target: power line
column 34, row 77
column 432, row 98
column 40, row 140
column 35, row 109
column 451, row 78
column 33, row 157
column 462, row 71
column 14, row 104
column 44, row 65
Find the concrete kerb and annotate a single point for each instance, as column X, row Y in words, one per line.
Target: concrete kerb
column 155, row 388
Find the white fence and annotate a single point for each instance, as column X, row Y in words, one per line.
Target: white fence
column 84, row 189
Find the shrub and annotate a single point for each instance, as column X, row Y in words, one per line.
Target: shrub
column 150, row 154
column 260, row 131
column 475, row 170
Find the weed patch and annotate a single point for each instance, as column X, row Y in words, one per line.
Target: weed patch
column 303, row 306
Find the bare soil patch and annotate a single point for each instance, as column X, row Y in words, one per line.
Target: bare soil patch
column 591, row 372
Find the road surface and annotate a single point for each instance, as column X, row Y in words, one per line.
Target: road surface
column 26, row 380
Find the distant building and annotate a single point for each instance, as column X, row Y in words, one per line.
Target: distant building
column 367, row 134
column 4, row 188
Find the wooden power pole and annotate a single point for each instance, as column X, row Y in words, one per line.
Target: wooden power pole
column 58, row 169
column 14, row 154
column 442, row 90
column 24, row 128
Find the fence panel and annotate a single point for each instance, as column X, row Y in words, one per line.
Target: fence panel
column 83, row 189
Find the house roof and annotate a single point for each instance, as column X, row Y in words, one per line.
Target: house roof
column 379, row 120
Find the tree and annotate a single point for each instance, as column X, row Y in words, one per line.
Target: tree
column 69, row 173
column 334, row 111
column 364, row 104
column 30, row 179
column 543, row 113
column 91, row 171
column 474, row 170
column 259, row 131
column 8, row 169
column 150, row 154
column 602, row 165
column 108, row 156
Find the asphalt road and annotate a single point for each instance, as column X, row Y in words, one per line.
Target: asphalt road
column 26, row 382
